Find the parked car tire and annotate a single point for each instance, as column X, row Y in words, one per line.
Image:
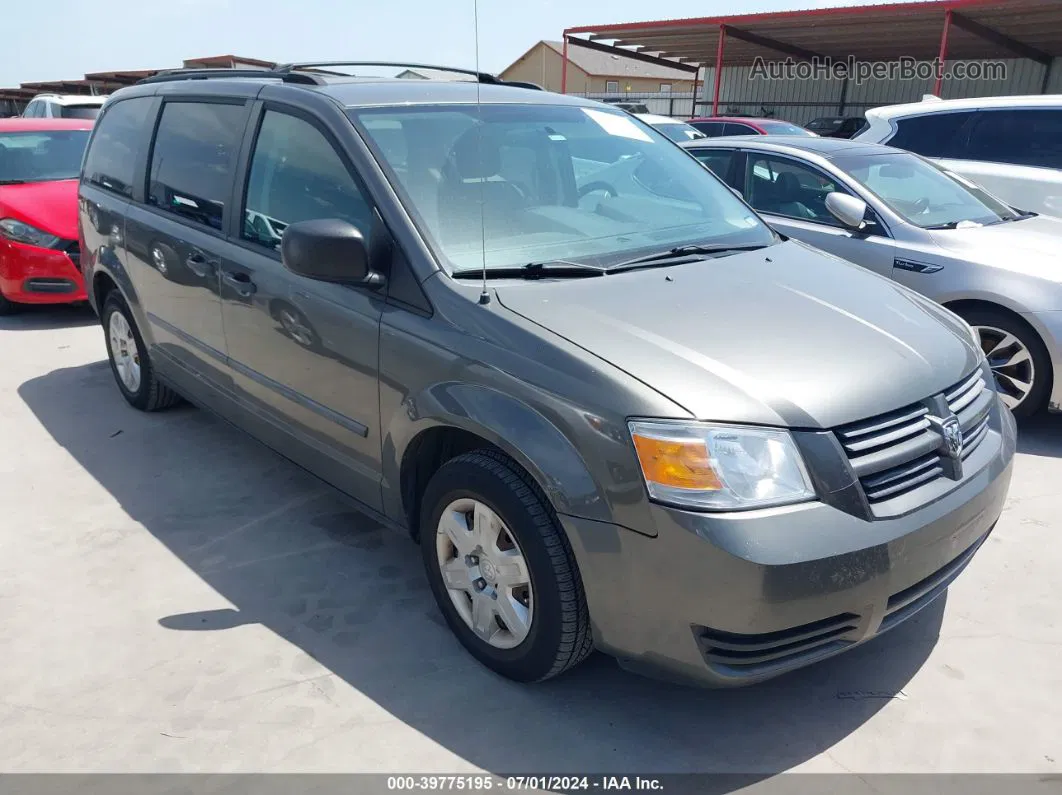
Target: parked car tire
column 502, row 570
column 1018, row 358
column 7, row 307
column 129, row 360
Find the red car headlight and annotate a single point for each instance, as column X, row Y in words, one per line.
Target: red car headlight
column 24, row 233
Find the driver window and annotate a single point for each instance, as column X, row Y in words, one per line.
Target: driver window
column 296, row 175
column 785, row 187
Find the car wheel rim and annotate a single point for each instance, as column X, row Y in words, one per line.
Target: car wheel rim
column 1011, row 362
column 485, row 573
column 124, row 352
column 298, row 332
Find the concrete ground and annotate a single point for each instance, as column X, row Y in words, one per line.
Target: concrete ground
column 175, row 597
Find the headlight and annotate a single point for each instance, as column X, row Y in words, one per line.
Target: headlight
column 719, row 467
column 24, row 233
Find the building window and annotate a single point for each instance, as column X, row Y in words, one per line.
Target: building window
column 612, row 86
column 665, row 88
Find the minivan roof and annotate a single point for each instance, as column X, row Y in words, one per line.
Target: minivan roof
column 969, row 103
column 354, row 92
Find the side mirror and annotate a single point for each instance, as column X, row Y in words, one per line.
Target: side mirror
column 328, row 250
column 849, row 210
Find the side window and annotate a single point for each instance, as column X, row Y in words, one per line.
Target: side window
column 731, row 128
column 1022, row 137
column 785, row 187
column 111, row 157
column 931, row 135
column 717, row 160
column 296, row 175
column 192, row 159
column 33, row 109
column 713, row 129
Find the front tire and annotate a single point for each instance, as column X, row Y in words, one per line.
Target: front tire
column 129, row 360
column 7, row 307
column 1018, row 358
column 502, row 570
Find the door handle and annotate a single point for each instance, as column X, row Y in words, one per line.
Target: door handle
column 198, row 264
column 240, row 282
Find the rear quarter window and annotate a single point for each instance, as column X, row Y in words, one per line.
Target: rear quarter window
column 932, row 135
column 111, row 159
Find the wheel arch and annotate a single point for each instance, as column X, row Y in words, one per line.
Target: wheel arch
column 450, row 419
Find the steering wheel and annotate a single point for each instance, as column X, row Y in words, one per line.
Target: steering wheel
column 590, row 187
column 920, row 205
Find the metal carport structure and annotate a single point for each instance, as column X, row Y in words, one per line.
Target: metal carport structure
column 939, row 30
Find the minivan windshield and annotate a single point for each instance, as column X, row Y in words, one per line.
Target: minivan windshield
column 41, row 156
column 504, row 185
column 923, row 193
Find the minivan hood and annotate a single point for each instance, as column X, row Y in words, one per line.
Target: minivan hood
column 49, row 206
column 785, row 336
column 1028, row 246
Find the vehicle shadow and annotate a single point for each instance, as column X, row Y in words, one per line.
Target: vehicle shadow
column 1041, row 436
column 291, row 555
column 43, row 317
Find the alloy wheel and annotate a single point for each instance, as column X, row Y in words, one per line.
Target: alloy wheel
column 485, row 573
column 124, row 351
column 1011, row 362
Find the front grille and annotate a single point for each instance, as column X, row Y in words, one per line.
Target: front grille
column 748, row 655
column 902, row 450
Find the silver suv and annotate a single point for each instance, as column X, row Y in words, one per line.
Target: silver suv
column 615, row 409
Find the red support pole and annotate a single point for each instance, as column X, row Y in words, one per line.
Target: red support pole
column 943, row 53
column 564, row 66
column 718, row 69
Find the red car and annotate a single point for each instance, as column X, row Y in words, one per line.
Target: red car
column 39, row 164
column 716, row 126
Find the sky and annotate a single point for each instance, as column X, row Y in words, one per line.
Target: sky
column 110, row 35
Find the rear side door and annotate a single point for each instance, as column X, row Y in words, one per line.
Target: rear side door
column 175, row 234
column 791, row 196
column 303, row 353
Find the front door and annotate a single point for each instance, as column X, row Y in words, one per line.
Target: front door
column 792, row 198
column 303, row 353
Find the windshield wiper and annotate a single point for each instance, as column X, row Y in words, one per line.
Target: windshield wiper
column 556, row 268
column 680, row 255
column 13, row 181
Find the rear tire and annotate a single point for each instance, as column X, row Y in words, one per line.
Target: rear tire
column 1026, row 384
column 130, row 363
column 558, row 637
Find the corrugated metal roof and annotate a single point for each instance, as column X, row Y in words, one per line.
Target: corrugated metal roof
column 869, row 33
column 603, row 64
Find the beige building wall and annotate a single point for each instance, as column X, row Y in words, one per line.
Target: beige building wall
column 543, row 65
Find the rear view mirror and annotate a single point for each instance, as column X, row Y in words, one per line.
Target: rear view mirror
column 737, row 193
column 849, row 210
column 328, row 250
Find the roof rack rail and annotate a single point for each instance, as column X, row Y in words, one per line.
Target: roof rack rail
column 482, row 77
column 287, row 76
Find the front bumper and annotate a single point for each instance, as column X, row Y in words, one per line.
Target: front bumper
column 32, row 275
column 735, row 599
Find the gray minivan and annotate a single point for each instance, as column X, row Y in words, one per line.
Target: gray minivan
column 615, row 408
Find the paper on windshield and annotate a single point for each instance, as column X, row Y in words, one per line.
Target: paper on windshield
column 615, row 124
